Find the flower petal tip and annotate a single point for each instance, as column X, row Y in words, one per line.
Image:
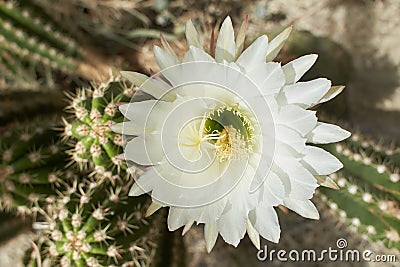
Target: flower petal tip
column 152, row 209
column 125, row 74
column 326, row 181
column 187, row 227
column 209, row 248
column 314, row 217
column 135, row 191
column 253, row 234
column 117, row 128
column 210, row 235
column 346, row 133
column 288, row 30
column 275, row 239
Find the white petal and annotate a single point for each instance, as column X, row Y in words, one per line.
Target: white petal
column 146, row 113
column 294, row 188
column 302, row 182
column 255, row 53
column 253, row 234
column 206, row 214
column 304, row 208
column 145, row 183
column 326, row 181
column 321, row 162
column 290, row 137
column 240, row 37
column 177, row 218
column 210, row 235
column 265, row 221
column 232, row 226
column 306, row 94
column 154, row 206
column 258, row 169
column 272, row 103
column 192, row 37
column 295, row 170
column 325, row 133
column 144, row 150
column 136, row 190
column 187, row 227
column 295, row 69
column 233, row 221
column 149, row 85
column 138, row 112
column 117, row 127
column 332, row 93
column 297, row 118
column 197, row 54
column 163, row 58
column 167, row 46
column 127, row 128
column 268, row 77
column 277, row 43
column 135, row 77
column 274, row 190
column 275, row 79
column 284, row 180
column 225, row 49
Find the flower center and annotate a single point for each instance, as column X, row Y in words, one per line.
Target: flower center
column 231, row 145
column 232, row 133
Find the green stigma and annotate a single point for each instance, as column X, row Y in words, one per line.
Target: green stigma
column 234, row 131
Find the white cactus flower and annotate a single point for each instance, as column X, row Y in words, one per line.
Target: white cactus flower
column 225, row 138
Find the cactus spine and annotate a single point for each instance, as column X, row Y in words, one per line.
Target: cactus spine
column 370, row 190
column 23, row 105
column 95, row 224
column 29, row 171
column 32, row 46
column 88, row 129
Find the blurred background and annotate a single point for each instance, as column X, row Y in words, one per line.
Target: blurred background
column 49, row 47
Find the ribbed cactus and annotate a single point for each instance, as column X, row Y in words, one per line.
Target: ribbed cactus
column 83, row 219
column 19, row 106
column 369, row 197
column 35, row 50
column 94, row 110
column 32, row 163
column 95, row 224
column 116, row 25
column 32, row 45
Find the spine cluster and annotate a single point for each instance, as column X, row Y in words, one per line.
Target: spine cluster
column 82, row 216
column 29, row 172
column 32, row 45
column 94, row 145
column 95, row 224
column 369, row 197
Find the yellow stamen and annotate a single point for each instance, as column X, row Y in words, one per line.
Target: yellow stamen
column 231, row 145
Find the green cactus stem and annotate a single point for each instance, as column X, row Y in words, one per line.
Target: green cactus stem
column 92, row 224
column 34, row 49
column 32, row 163
column 369, row 198
column 23, row 105
column 33, row 46
column 94, row 110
